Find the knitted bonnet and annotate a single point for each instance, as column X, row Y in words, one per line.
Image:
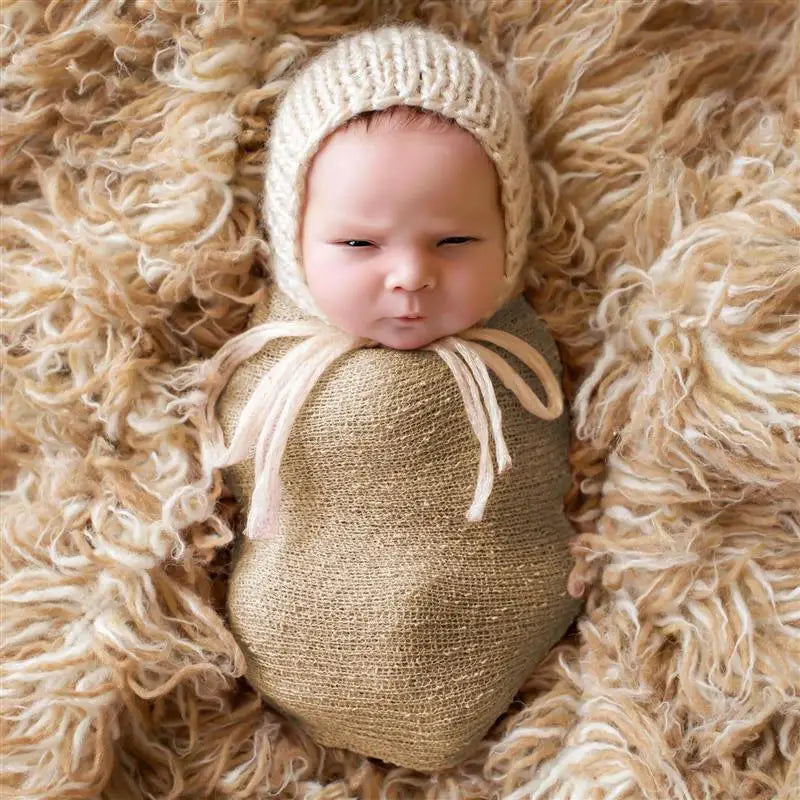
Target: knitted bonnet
column 394, row 65
column 401, row 64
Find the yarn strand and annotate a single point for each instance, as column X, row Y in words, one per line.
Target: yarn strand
column 465, row 380
column 484, row 382
column 263, row 518
column 511, row 380
column 217, row 371
column 254, row 414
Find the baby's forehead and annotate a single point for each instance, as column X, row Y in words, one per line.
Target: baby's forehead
column 447, row 164
column 453, row 154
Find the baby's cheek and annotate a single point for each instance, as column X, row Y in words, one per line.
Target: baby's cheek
column 476, row 295
column 330, row 288
column 350, row 305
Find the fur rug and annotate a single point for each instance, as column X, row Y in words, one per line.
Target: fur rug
column 667, row 135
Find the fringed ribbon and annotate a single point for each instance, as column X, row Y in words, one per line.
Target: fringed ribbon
column 267, row 418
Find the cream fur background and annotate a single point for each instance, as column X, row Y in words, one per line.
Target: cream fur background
column 667, row 135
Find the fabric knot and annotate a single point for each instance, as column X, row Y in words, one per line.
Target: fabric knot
column 267, row 418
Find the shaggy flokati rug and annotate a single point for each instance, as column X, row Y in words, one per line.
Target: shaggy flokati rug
column 668, row 241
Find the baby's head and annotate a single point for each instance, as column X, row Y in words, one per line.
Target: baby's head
column 398, row 183
column 403, row 216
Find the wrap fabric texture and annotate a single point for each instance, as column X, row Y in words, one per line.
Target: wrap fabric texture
column 379, row 617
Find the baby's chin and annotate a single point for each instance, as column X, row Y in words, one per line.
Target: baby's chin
column 394, row 344
column 407, row 335
column 400, row 335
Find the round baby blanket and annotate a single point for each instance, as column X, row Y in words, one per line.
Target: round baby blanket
column 379, row 618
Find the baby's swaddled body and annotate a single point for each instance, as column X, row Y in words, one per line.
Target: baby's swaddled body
column 379, row 617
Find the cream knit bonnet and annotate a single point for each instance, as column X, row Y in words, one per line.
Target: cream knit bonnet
column 395, row 65
column 400, row 64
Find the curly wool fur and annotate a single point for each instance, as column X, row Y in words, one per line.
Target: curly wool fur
column 667, row 238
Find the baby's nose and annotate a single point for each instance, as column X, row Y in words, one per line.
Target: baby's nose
column 411, row 276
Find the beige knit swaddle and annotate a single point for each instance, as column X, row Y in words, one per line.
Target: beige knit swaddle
column 380, row 618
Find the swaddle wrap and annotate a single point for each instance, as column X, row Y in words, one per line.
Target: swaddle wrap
column 379, row 617
column 389, row 592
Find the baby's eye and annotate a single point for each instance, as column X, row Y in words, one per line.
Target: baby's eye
column 456, row 238
column 358, row 241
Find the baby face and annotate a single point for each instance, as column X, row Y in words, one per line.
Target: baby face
column 399, row 223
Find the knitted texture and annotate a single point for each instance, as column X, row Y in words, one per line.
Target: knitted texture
column 374, row 69
column 379, row 618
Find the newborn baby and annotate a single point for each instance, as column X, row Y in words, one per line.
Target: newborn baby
column 381, row 604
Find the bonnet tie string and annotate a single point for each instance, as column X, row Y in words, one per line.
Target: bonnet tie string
column 267, row 418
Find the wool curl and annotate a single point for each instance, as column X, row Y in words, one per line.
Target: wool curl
column 665, row 253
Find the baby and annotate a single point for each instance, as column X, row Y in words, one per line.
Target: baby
column 377, row 607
